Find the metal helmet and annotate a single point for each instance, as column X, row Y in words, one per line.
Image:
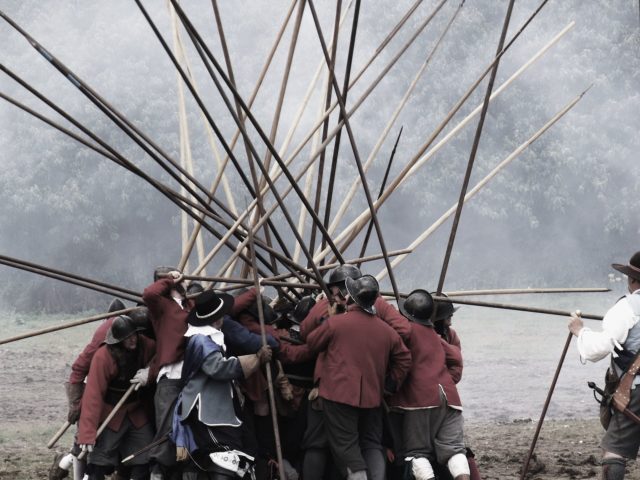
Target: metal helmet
column 302, row 309
column 115, row 305
column 443, row 309
column 364, row 291
column 418, row 307
column 194, row 288
column 339, row 274
column 270, row 315
column 121, row 328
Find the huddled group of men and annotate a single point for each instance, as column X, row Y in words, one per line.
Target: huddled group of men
column 362, row 390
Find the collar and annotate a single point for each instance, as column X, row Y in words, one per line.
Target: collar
column 216, row 335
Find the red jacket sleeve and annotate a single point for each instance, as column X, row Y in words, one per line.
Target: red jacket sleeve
column 453, row 360
column 103, row 369
column 243, row 301
column 400, row 362
column 80, row 368
column 314, row 318
column 390, row 315
column 320, row 337
column 154, row 292
column 454, row 339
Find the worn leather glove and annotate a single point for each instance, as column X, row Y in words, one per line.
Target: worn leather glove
column 181, row 454
column 264, row 354
column 141, row 378
column 313, row 394
column 74, row 396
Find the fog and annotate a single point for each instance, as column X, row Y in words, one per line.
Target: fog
column 557, row 216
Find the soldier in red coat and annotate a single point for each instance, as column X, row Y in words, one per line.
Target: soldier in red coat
column 114, row 367
column 364, row 357
column 432, row 424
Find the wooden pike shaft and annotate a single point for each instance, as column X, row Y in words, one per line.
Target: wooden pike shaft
column 472, row 155
column 112, row 414
column 349, row 233
column 51, row 443
column 245, row 281
column 427, row 233
column 220, row 176
column 71, row 324
column 520, row 291
column 503, row 306
column 263, row 335
column 354, row 148
column 374, row 152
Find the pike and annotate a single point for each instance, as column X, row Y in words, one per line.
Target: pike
column 472, row 156
column 382, row 185
column 520, row 291
column 202, row 49
column 349, row 233
column 205, row 53
column 374, row 152
column 67, row 279
column 112, row 414
column 252, row 170
column 73, row 323
column 435, row 225
column 65, row 426
column 325, row 123
column 547, row 401
column 110, row 153
column 503, row 306
column 263, row 335
column 114, row 115
column 222, row 167
column 245, row 281
column 336, row 141
column 356, row 156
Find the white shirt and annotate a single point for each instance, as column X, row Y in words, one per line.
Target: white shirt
column 617, row 322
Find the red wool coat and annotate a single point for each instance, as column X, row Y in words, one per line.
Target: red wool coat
column 360, row 350
column 80, row 368
column 94, row 408
column 429, row 371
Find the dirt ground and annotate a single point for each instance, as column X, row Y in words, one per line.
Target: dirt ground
column 33, row 407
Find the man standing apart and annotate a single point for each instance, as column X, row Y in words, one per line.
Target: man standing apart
column 620, row 338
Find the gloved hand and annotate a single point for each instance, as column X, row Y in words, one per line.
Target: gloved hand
column 313, row 394
column 74, row 396
column 181, row 454
column 86, row 447
column 141, row 378
column 264, row 354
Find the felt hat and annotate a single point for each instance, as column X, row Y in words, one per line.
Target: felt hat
column 632, row 269
column 208, row 307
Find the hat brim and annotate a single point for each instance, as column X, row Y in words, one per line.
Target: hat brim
column 227, row 304
column 440, row 318
column 350, row 284
column 411, row 317
column 111, row 340
column 627, row 270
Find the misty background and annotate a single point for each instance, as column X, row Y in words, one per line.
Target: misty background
column 557, row 216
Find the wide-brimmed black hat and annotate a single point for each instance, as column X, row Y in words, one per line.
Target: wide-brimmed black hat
column 121, row 328
column 632, row 269
column 364, row 291
column 209, row 306
column 443, row 309
column 417, row 307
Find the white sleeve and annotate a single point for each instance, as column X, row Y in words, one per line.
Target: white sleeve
column 617, row 322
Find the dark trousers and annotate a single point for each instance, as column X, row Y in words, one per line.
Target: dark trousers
column 167, row 392
column 350, row 431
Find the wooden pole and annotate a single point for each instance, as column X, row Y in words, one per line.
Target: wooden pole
column 418, row 160
column 427, row 233
column 71, row 324
column 521, row 291
column 112, row 414
column 374, row 152
column 263, row 335
column 51, row 443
